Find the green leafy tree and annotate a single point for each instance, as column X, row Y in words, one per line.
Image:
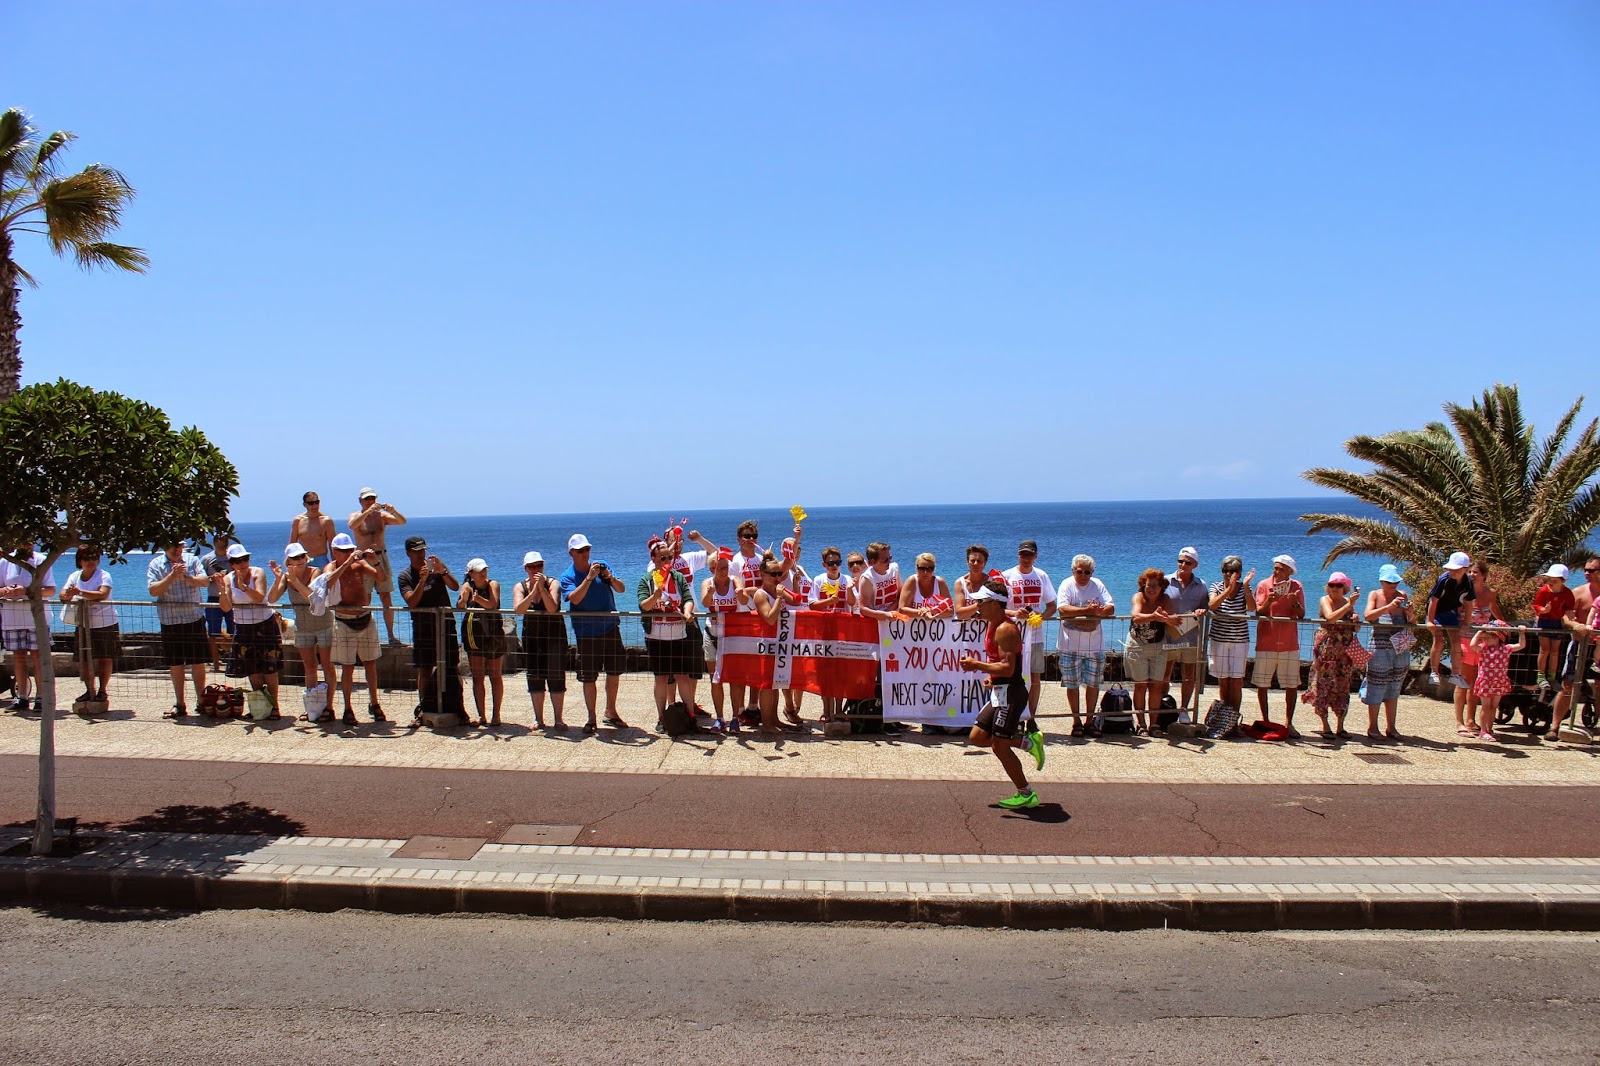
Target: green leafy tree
column 1483, row 484
column 74, row 212
column 80, row 467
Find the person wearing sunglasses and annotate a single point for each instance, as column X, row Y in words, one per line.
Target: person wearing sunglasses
column 1002, row 716
column 257, row 651
column 767, row 601
column 312, row 530
column 1189, row 599
column 1032, row 593
column 926, row 595
column 1581, row 622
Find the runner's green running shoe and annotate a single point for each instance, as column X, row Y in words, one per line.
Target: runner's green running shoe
column 1036, row 748
column 1021, row 801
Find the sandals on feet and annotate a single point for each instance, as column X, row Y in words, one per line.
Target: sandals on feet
column 178, row 711
column 589, row 729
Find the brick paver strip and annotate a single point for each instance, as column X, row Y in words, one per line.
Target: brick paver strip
column 1204, row 892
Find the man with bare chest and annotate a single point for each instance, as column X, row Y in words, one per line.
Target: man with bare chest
column 312, row 530
column 368, row 526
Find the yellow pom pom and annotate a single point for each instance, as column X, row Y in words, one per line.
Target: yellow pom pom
column 1035, row 620
column 798, row 512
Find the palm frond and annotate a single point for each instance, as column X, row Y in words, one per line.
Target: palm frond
column 15, row 136
column 1551, row 447
column 1370, row 536
column 42, row 167
column 106, row 254
column 84, row 207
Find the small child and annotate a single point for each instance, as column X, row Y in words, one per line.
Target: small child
column 1494, row 680
column 1550, row 605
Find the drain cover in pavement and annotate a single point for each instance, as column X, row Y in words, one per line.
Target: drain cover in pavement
column 541, row 834
column 439, row 848
column 1383, row 757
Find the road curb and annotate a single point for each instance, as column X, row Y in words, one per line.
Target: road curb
column 43, row 886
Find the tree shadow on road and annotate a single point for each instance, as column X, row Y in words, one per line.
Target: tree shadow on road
column 237, row 819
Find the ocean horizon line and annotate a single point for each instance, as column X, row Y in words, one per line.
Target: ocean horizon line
column 859, row 507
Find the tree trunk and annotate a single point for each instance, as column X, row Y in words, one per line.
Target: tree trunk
column 10, row 322
column 44, row 827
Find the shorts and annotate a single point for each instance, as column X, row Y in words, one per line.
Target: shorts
column 483, row 636
column 217, row 620
column 20, row 639
column 316, row 638
column 697, row 651
column 1448, row 619
column 319, row 561
column 102, row 643
column 1376, row 694
column 708, row 645
column 1036, row 661
column 1145, row 662
column 1469, row 654
column 668, row 658
column 1183, row 653
column 1569, row 665
column 1228, row 659
column 1003, row 721
column 385, row 581
column 547, row 664
column 1547, row 625
column 257, row 648
column 1082, row 668
column 351, row 645
column 184, row 643
column 1285, row 665
column 601, row 653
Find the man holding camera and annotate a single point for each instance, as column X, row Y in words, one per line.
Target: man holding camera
column 591, row 588
column 425, row 585
column 369, row 525
column 354, row 572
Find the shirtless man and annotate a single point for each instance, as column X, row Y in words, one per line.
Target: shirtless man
column 1576, row 622
column 1001, row 719
column 369, row 525
column 355, row 639
column 312, row 530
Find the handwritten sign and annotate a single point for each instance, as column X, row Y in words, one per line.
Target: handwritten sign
column 919, row 663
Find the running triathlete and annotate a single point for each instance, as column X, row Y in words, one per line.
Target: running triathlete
column 1000, row 720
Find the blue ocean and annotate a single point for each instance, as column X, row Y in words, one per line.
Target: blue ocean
column 1123, row 538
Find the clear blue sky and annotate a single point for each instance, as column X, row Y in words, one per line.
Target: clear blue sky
column 515, row 257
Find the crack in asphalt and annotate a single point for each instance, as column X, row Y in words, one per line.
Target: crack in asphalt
column 1193, row 818
column 632, row 806
column 230, row 782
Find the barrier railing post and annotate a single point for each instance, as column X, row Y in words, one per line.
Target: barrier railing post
column 1202, row 668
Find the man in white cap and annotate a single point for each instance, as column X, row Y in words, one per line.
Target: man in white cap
column 589, row 587
column 1002, row 717
column 369, row 525
column 1445, row 612
column 1187, row 597
column 1278, row 642
column 355, row 639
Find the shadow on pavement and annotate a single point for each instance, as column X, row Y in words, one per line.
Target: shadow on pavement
column 238, row 819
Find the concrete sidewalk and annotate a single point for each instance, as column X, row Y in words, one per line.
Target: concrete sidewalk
column 460, row 874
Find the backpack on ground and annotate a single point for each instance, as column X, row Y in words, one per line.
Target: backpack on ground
column 1116, row 711
column 1167, row 715
column 678, row 720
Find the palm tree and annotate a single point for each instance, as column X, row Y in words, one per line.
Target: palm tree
column 75, row 213
column 1489, row 489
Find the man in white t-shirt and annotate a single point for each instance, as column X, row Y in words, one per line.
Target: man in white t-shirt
column 1080, row 604
column 16, row 619
column 1031, row 594
column 878, row 587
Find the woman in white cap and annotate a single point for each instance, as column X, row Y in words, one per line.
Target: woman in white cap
column 313, row 632
column 1450, row 593
column 483, row 634
column 1389, row 611
column 544, row 638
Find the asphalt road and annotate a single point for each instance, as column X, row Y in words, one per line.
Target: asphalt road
column 642, row 810
column 250, row 986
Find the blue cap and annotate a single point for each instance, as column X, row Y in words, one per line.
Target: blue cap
column 1390, row 573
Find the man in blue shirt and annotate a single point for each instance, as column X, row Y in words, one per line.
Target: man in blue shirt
column 591, row 588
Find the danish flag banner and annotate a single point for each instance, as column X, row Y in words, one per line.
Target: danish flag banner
column 829, row 653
